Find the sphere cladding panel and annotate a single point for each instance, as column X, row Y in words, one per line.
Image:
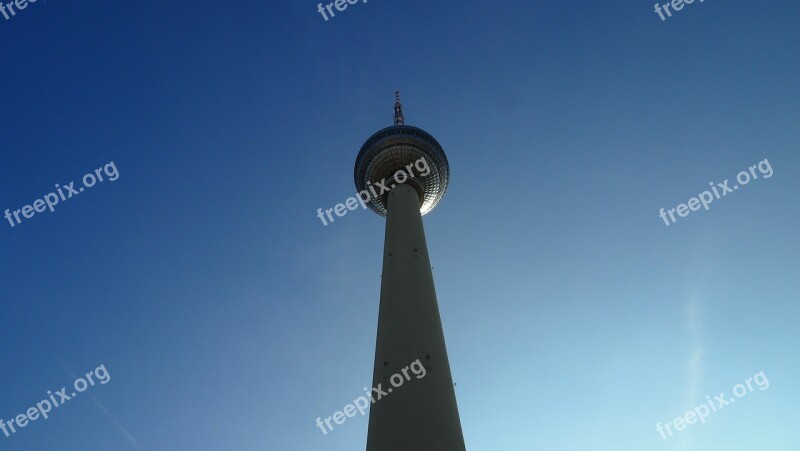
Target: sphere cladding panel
column 391, row 150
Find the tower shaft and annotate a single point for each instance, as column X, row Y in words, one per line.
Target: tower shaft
column 422, row 414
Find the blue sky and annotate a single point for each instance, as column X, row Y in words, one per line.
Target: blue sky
column 230, row 318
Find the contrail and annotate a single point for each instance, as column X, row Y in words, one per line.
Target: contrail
column 694, row 323
column 100, row 406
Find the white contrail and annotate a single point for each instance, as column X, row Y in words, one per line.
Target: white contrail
column 131, row 439
column 694, row 323
column 119, row 425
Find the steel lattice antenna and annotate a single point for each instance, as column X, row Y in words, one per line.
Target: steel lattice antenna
column 398, row 110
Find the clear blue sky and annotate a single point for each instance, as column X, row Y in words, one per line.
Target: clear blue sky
column 229, row 318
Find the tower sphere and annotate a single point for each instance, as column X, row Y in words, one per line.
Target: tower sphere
column 400, row 148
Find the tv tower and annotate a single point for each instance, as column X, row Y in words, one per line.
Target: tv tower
column 422, row 415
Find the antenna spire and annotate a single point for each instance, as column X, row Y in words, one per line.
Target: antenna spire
column 398, row 110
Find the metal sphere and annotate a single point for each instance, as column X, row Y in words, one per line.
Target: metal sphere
column 398, row 148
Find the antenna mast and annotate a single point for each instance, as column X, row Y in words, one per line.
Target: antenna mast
column 398, row 110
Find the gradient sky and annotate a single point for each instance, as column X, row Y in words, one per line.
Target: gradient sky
column 230, row 318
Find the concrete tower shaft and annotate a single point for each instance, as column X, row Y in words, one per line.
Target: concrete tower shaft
column 422, row 414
